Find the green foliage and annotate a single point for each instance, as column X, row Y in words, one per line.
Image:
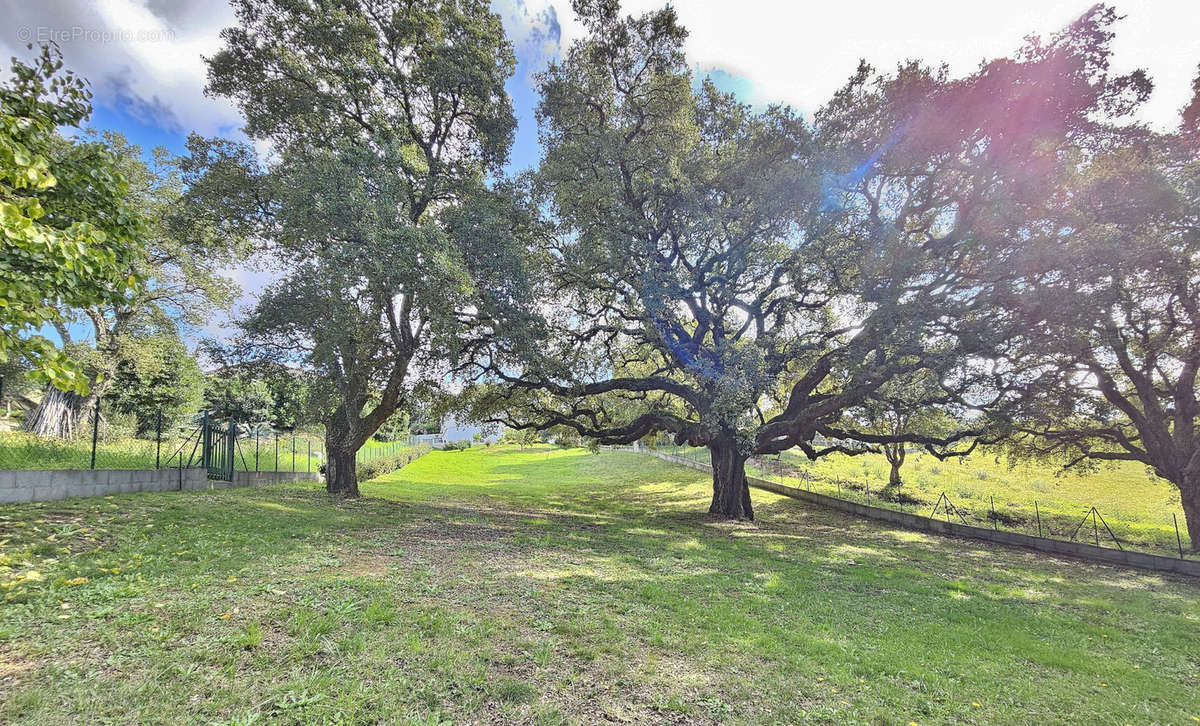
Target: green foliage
column 375, row 467
column 72, row 237
column 243, row 398
column 258, row 394
column 156, row 375
column 396, row 428
column 522, row 437
column 356, row 197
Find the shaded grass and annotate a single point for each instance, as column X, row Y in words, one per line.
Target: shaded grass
column 548, row 586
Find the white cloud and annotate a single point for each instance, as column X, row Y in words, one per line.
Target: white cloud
column 141, row 56
column 801, row 52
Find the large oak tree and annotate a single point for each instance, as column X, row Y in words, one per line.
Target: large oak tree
column 740, row 279
column 71, row 232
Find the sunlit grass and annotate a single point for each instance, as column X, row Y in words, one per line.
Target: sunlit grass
column 549, row 586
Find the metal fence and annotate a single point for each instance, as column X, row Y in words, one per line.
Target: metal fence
column 1089, row 524
column 105, row 437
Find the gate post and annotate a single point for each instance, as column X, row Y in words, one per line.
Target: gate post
column 230, row 448
column 205, row 443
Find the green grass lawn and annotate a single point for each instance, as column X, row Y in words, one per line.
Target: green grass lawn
column 547, row 586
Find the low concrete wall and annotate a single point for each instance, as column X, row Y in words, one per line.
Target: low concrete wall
column 917, row 522
column 40, row 486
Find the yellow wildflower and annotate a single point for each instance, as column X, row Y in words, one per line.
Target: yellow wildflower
column 225, row 615
column 77, row 581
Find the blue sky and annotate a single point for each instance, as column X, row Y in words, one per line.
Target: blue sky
column 144, row 57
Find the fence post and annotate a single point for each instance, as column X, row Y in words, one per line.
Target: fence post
column 1038, row 513
column 205, row 443
column 95, row 430
column 231, row 448
column 293, row 451
column 1178, row 539
column 256, row 432
column 995, row 520
column 309, row 444
column 276, row 452
column 158, row 442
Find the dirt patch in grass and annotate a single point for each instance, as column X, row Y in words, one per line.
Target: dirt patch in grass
column 14, row 668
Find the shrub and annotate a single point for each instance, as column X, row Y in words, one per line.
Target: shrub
column 368, row 470
column 456, row 445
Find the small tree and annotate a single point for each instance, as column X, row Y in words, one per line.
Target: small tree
column 156, row 376
column 914, row 403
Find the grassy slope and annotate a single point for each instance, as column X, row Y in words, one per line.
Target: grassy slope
column 546, row 586
column 1137, row 506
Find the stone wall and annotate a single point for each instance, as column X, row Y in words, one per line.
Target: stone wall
column 39, row 486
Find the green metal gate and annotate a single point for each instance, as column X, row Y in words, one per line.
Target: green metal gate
column 218, row 442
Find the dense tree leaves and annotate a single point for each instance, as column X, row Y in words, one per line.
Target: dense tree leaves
column 157, row 381
column 71, row 235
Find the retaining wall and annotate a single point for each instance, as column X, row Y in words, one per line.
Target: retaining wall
column 1140, row 560
column 40, row 486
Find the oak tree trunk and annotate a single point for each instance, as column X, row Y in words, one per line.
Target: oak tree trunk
column 731, row 495
column 1189, row 493
column 341, row 476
